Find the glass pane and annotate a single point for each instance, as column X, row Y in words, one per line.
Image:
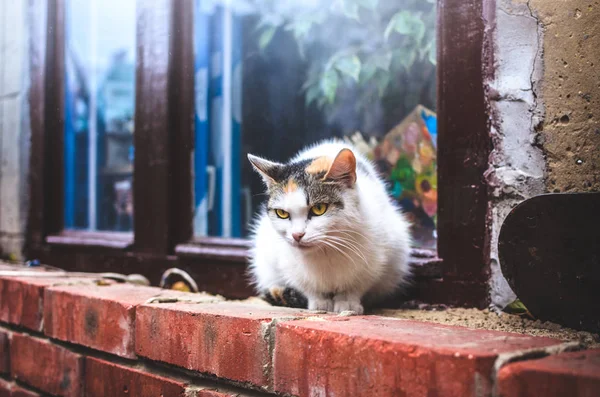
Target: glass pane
column 100, row 104
column 275, row 76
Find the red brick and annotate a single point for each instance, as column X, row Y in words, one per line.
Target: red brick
column 375, row 356
column 568, row 374
column 21, row 299
column 4, row 351
column 100, row 317
column 104, row 378
column 46, row 366
column 225, row 339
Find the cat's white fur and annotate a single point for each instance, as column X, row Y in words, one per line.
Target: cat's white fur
column 375, row 262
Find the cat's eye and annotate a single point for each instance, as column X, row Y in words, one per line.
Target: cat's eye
column 282, row 214
column 318, row 209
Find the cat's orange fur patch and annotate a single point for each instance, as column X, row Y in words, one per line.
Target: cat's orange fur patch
column 320, row 164
column 277, row 294
column 291, row 186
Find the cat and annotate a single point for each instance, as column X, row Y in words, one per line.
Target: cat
column 329, row 231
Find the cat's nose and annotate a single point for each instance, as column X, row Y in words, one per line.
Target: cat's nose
column 297, row 236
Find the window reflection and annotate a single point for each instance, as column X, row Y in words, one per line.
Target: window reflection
column 99, row 102
column 273, row 76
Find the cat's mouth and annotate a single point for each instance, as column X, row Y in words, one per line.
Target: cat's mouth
column 302, row 245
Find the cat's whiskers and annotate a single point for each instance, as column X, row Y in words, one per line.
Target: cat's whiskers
column 353, row 242
column 349, row 246
column 323, row 239
column 341, row 251
column 339, row 244
column 353, row 232
column 349, row 238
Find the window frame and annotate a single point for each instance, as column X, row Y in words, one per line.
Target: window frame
column 162, row 234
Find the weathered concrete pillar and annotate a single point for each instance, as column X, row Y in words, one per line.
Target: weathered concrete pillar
column 14, row 126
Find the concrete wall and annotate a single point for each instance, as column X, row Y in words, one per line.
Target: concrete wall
column 571, row 93
column 544, row 98
column 14, row 127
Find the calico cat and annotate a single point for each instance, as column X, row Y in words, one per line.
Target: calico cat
column 329, row 232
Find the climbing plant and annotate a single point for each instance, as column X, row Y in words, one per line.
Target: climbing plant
column 359, row 44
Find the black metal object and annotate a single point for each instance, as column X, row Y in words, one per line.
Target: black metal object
column 549, row 250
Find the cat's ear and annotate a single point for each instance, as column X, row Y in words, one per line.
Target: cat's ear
column 343, row 168
column 266, row 169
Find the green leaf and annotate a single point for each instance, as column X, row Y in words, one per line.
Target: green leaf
column 350, row 9
column 312, row 94
column 383, row 80
column 419, row 31
column 375, row 63
column 516, row 307
column 329, row 84
column 349, row 65
column 265, row 37
column 311, row 80
column 407, row 24
column 432, row 52
column 382, row 61
column 368, row 4
column 408, row 60
column 300, row 25
column 404, row 57
column 398, row 23
column 299, row 28
column 367, row 72
column 268, row 20
column 301, row 51
column 321, row 102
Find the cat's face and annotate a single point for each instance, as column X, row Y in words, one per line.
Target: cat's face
column 311, row 200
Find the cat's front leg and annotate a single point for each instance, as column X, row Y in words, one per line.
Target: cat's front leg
column 320, row 302
column 347, row 302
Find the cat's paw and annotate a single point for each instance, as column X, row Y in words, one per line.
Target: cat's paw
column 320, row 304
column 348, row 305
column 285, row 296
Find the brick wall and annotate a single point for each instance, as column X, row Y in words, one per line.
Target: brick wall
column 77, row 337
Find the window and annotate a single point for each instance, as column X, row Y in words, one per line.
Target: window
column 281, row 96
column 99, row 110
column 272, row 77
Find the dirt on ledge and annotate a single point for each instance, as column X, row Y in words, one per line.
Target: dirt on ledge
column 482, row 319
column 486, row 319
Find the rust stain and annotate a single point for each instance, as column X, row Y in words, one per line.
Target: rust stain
column 91, row 322
column 320, row 164
column 210, row 338
column 291, row 186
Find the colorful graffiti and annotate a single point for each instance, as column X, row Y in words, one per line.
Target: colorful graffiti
column 407, row 158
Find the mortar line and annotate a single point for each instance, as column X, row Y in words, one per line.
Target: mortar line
column 537, row 353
